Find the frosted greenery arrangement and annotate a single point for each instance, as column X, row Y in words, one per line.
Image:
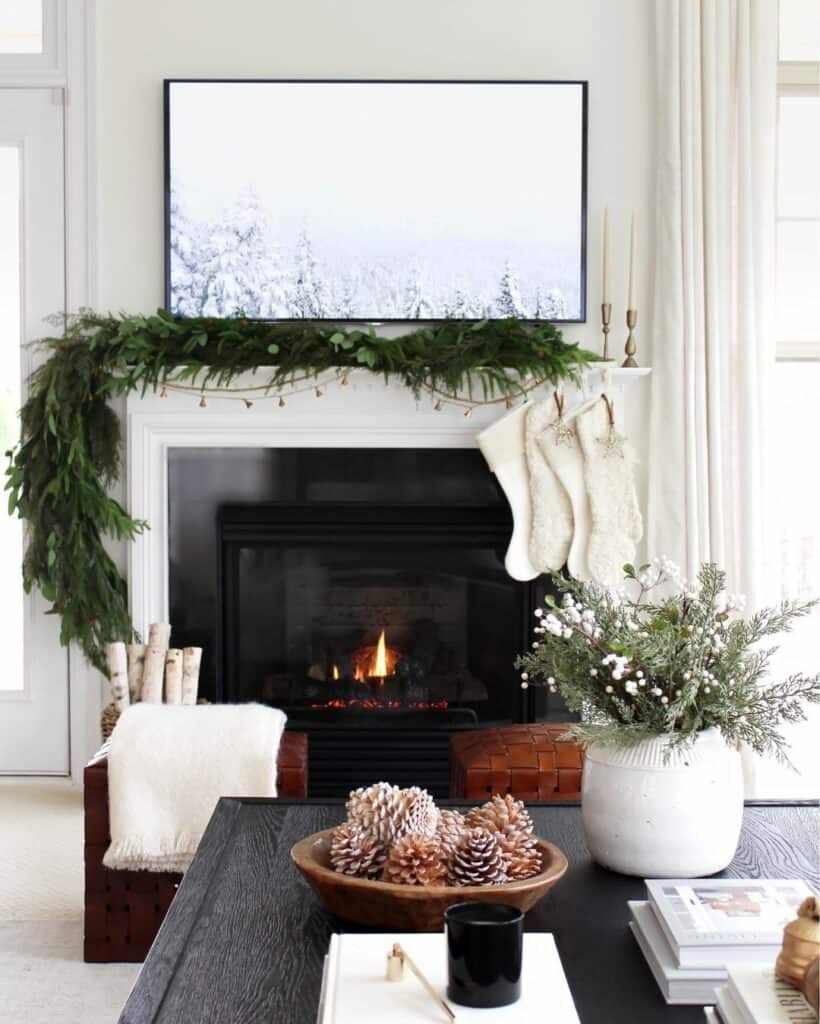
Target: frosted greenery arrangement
column 61, row 472
column 637, row 666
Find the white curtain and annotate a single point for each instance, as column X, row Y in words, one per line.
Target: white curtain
column 713, row 287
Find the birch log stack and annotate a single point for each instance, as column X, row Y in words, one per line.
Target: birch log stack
column 159, row 635
column 136, row 664
column 191, row 658
column 117, row 659
column 173, row 676
column 153, row 675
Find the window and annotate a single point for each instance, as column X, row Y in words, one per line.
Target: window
column 11, row 533
column 21, row 26
column 796, row 401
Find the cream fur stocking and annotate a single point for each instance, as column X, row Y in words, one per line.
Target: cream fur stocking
column 502, row 445
column 610, row 482
column 562, row 453
column 551, row 531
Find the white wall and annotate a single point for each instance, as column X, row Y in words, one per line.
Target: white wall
column 607, row 43
column 140, row 43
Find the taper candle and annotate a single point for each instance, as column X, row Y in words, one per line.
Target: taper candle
column 605, row 258
column 631, row 301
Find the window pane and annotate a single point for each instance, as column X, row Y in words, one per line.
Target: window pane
column 798, row 274
column 799, row 30
column 11, row 533
column 798, row 156
column 21, row 26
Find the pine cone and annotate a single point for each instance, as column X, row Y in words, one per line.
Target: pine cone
column 451, row 829
column 502, row 814
column 354, row 852
column 510, row 821
column 416, row 860
column 521, row 855
column 388, row 812
column 478, row 860
column 108, row 719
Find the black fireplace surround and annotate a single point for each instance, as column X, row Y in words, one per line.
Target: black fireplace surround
column 361, row 590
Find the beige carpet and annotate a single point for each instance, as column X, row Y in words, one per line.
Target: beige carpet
column 43, row 979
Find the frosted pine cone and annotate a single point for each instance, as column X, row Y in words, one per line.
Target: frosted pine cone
column 451, row 829
column 521, row 855
column 502, row 814
column 388, row 812
column 416, row 860
column 354, row 852
column 478, row 860
column 512, row 824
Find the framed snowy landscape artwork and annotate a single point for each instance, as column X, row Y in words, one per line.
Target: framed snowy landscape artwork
column 374, row 201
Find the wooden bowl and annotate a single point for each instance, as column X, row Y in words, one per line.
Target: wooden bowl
column 412, row 908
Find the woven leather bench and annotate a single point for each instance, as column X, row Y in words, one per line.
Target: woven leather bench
column 527, row 761
column 124, row 909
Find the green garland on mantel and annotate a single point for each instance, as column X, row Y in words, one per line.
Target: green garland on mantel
column 68, row 457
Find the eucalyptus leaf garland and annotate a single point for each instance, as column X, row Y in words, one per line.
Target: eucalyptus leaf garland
column 61, row 472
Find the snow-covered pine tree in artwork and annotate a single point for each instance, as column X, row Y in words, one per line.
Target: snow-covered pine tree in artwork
column 187, row 280
column 509, row 301
column 307, row 297
column 555, row 305
column 241, row 270
column 415, row 303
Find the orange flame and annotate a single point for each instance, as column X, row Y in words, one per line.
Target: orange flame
column 358, row 675
column 379, row 666
column 336, row 672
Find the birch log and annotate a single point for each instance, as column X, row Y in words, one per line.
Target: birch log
column 136, row 660
column 117, row 660
column 152, row 675
column 159, row 635
column 173, row 676
column 191, row 657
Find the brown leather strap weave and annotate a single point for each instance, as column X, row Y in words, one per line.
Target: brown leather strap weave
column 124, row 909
column 528, row 761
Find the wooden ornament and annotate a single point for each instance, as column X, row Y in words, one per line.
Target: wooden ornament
column 801, row 943
column 153, row 674
column 191, row 659
column 810, row 986
column 117, row 660
column 173, row 676
column 136, row 662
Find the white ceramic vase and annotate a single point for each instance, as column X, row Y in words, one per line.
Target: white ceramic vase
column 678, row 818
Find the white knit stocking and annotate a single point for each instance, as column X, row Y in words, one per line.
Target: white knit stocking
column 502, row 445
column 562, row 451
column 610, row 482
column 551, row 532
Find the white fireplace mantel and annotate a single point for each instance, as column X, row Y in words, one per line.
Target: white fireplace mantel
column 367, row 413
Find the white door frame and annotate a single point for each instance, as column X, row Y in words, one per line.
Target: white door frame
column 67, row 64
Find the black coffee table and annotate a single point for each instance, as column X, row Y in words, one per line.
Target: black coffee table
column 245, row 938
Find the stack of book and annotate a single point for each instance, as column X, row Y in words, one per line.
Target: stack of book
column 355, row 989
column 753, row 995
column 689, row 930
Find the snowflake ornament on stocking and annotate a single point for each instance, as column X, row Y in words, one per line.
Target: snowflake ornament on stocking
column 612, row 442
column 562, row 433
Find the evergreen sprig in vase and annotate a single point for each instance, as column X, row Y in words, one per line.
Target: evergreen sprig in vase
column 667, row 688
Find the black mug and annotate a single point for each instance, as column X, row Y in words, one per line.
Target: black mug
column 484, row 943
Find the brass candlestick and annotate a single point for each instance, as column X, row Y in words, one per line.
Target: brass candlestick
column 630, row 348
column 606, row 316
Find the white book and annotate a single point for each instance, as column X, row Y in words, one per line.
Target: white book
column 763, row 999
column 678, row 985
column 711, row 921
column 356, row 989
column 727, row 1010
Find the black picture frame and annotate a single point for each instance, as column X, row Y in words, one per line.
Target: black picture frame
column 582, row 83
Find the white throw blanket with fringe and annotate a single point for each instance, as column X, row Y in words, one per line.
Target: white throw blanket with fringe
column 168, row 765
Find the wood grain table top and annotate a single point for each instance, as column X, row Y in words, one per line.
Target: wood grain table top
column 245, row 938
